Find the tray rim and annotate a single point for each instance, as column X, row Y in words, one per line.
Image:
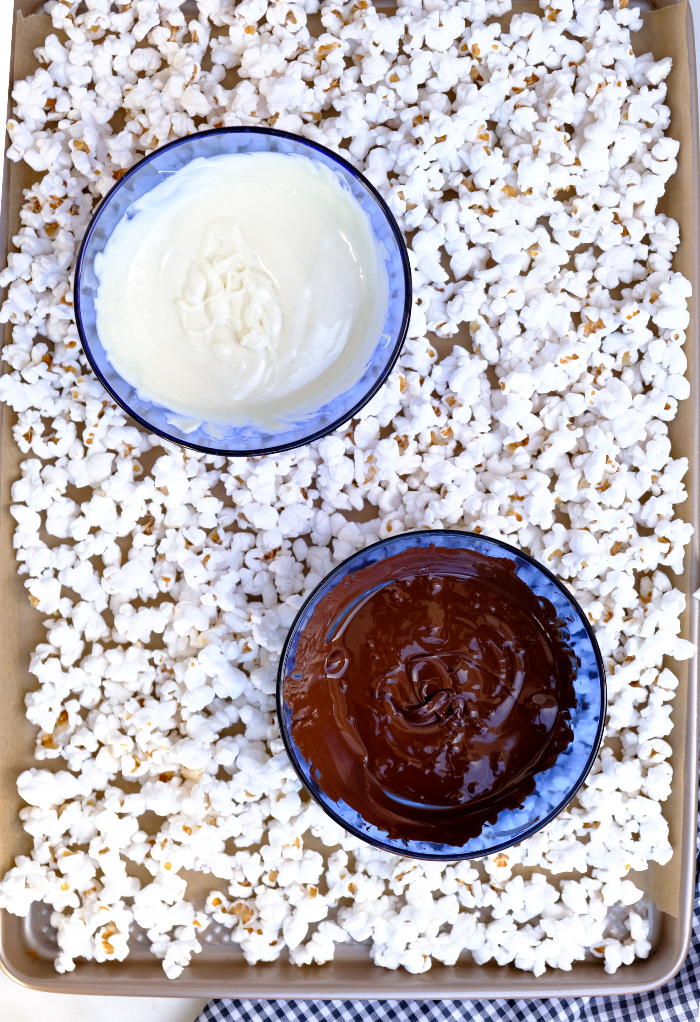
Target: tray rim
column 367, row 981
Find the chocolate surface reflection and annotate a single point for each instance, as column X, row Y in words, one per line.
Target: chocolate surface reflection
column 429, row 689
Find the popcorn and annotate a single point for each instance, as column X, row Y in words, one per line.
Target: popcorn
column 172, row 578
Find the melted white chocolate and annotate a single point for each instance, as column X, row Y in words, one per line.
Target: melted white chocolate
column 243, row 289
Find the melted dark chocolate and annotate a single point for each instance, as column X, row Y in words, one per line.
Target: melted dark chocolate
column 428, row 695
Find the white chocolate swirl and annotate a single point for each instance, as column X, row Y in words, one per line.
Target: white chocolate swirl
column 243, row 289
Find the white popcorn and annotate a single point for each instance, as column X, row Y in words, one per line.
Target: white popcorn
column 169, row 590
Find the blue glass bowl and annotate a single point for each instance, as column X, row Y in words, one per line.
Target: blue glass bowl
column 247, row 440
column 555, row 787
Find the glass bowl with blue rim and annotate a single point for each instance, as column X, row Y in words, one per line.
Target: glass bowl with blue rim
column 555, row 786
column 214, row 437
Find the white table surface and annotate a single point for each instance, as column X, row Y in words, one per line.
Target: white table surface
column 18, row 1003
column 22, row 1005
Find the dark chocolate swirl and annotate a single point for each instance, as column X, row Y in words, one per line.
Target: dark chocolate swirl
column 428, row 691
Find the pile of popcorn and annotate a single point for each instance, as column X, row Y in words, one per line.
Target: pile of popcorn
column 524, row 162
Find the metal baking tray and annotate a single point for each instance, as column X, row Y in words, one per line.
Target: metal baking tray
column 26, row 945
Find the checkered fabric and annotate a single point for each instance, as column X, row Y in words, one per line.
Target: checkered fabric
column 678, row 1001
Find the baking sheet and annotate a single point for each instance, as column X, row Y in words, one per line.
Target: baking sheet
column 26, row 949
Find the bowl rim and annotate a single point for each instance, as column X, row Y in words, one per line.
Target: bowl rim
column 319, row 433
column 442, row 856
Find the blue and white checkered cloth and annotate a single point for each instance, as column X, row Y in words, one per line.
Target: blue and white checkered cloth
column 678, row 1001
